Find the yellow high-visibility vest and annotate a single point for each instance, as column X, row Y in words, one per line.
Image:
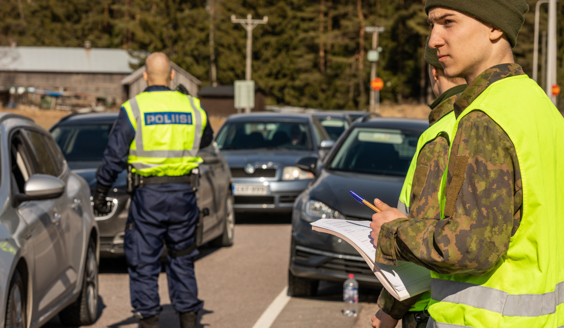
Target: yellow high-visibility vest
column 168, row 129
column 526, row 286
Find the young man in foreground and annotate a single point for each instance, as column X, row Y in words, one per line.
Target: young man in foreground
column 496, row 254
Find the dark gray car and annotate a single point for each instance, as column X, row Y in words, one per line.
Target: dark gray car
column 48, row 234
column 372, row 159
column 262, row 150
column 83, row 139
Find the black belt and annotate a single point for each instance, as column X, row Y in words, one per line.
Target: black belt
column 184, row 179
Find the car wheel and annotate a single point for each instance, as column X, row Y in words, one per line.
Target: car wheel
column 16, row 309
column 85, row 309
column 226, row 238
column 301, row 287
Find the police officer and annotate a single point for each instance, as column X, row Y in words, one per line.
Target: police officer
column 158, row 134
column 420, row 194
column 496, row 253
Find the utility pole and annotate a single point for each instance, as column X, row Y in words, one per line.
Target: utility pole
column 373, row 57
column 552, row 49
column 536, row 42
column 249, row 24
column 213, row 67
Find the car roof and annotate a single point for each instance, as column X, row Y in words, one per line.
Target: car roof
column 80, row 118
column 332, row 114
column 262, row 116
column 394, row 123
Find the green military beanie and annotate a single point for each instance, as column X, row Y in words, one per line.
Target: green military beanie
column 431, row 56
column 506, row 15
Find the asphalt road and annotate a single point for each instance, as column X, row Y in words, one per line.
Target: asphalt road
column 242, row 287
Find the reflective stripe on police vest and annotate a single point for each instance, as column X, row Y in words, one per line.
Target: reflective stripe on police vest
column 141, row 152
column 403, row 208
column 434, row 324
column 495, row 300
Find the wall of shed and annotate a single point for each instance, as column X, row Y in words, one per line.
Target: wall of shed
column 94, row 84
column 137, row 86
column 223, row 107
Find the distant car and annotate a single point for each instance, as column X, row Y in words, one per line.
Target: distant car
column 355, row 115
column 83, row 139
column 262, row 150
column 334, row 122
column 48, row 234
column 372, row 159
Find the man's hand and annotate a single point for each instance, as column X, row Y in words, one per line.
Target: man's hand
column 383, row 320
column 101, row 206
column 388, row 214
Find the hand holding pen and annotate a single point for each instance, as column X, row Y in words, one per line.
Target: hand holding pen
column 384, row 214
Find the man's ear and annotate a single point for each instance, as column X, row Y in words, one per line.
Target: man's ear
column 172, row 74
column 145, row 77
column 435, row 73
column 495, row 34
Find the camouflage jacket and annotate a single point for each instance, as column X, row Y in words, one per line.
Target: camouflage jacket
column 483, row 197
column 431, row 164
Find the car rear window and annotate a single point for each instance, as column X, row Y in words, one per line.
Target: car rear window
column 376, row 151
column 269, row 135
column 83, row 142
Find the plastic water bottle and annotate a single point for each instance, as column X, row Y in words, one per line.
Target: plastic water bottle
column 350, row 297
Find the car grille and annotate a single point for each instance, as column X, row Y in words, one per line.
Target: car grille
column 259, row 173
column 288, row 199
column 346, row 264
column 254, row 200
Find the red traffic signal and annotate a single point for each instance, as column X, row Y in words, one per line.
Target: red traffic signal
column 555, row 90
column 377, row 84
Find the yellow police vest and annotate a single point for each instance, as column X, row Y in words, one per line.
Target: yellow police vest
column 168, row 129
column 526, row 286
column 443, row 127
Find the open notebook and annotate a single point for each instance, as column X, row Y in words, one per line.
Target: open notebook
column 403, row 281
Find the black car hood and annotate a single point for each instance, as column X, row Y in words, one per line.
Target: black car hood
column 90, row 176
column 333, row 188
column 271, row 158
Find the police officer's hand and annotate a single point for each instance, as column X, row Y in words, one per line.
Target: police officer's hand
column 101, row 206
column 387, row 214
column 383, row 320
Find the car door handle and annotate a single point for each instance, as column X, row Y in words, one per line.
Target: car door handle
column 56, row 218
column 75, row 204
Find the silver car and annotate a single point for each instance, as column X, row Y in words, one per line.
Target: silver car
column 48, row 235
column 262, row 150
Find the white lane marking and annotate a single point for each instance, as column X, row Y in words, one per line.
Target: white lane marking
column 267, row 318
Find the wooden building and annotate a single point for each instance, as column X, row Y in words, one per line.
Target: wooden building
column 220, row 100
column 134, row 84
column 87, row 73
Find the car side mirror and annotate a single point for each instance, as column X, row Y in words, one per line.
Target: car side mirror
column 327, row 144
column 208, row 157
column 40, row 187
column 308, row 164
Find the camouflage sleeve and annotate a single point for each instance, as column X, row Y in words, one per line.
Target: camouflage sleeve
column 394, row 308
column 482, row 207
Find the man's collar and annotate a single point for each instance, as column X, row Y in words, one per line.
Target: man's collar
column 445, row 103
column 482, row 82
column 157, row 88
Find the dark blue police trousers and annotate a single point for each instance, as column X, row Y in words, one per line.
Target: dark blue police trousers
column 162, row 213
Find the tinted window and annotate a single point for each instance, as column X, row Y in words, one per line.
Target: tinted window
column 334, row 126
column 273, row 135
column 44, row 161
column 376, row 151
column 56, row 154
column 83, row 142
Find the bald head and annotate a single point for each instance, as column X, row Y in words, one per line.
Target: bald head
column 158, row 70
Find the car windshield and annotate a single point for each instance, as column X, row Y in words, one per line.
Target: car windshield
column 269, row 135
column 334, row 126
column 83, row 142
column 376, row 151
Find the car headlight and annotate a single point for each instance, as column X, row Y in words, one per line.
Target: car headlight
column 319, row 210
column 295, row 173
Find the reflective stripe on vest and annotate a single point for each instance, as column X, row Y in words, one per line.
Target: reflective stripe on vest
column 140, row 152
column 526, row 286
column 433, row 324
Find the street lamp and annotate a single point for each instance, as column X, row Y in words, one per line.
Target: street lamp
column 536, row 51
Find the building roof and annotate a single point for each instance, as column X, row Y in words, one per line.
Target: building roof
column 65, row 60
column 139, row 73
column 220, row 91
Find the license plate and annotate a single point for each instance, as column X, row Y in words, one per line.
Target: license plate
column 249, row 190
